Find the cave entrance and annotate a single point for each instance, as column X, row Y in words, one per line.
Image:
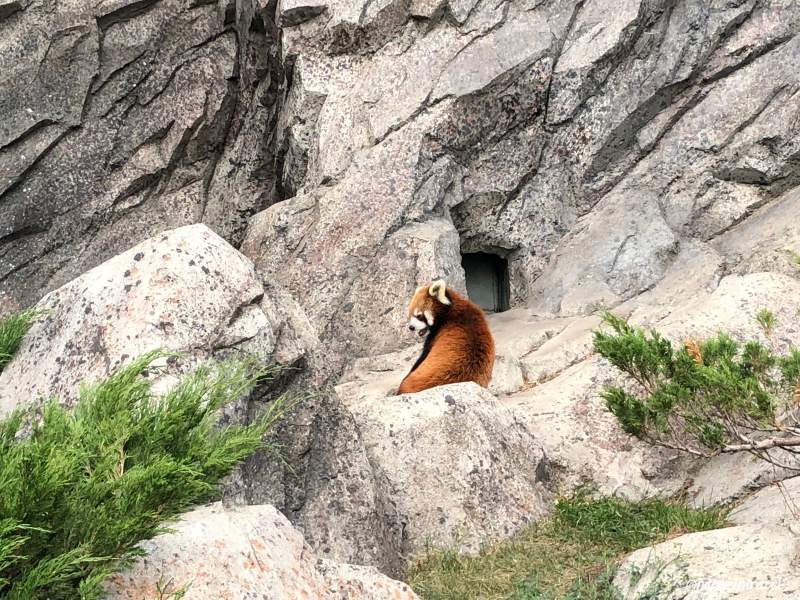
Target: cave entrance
column 487, row 280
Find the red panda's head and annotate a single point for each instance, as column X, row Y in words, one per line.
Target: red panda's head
column 427, row 307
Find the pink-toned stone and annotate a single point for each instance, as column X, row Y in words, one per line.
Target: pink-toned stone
column 244, row 553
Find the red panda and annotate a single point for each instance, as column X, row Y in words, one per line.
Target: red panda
column 458, row 347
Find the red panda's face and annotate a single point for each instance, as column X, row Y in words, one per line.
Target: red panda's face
column 427, row 305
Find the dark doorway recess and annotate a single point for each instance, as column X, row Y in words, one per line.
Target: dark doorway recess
column 487, row 280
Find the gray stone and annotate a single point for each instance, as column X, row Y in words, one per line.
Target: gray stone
column 638, row 156
column 599, row 29
column 733, row 306
column 518, row 42
column 589, row 271
column 609, row 117
column 751, row 562
column 547, row 374
column 294, row 12
column 373, row 378
column 396, row 88
column 298, row 121
column 9, row 7
column 769, row 240
column 353, row 269
column 586, row 444
column 567, row 342
column 518, row 336
column 247, row 552
column 122, row 120
column 695, row 273
column 351, row 582
column 426, row 8
column 776, row 504
column 187, row 290
column 458, row 467
column 326, row 486
column 730, row 477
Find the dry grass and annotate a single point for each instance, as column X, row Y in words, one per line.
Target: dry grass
column 570, row 556
column 693, row 350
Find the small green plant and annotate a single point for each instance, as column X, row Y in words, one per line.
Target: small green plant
column 589, row 587
column 657, row 578
column 12, row 330
column 572, row 555
column 168, row 591
column 704, row 398
column 794, row 257
column 766, row 320
column 81, row 489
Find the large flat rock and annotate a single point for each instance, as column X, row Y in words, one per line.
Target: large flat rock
column 750, row 562
column 776, row 504
column 584, row 441
column 458, row 466
column 250, row 552
column 187, row 290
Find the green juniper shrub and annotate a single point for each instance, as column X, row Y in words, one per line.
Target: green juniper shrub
column 12, row 329
column 719, row 395
column 82, row 488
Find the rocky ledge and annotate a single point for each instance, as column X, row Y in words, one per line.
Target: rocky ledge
column 637, row 156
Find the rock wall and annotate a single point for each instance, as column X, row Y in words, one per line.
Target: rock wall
column 642, row 155
column 597, row 146
column 122, row 119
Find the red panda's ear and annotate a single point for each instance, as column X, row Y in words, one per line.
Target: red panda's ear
column 438, row 289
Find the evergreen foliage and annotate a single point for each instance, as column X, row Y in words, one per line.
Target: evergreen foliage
column 82, row 488
column 707, row 397
column 12, row 329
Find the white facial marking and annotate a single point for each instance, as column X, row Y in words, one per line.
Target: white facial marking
column 415, row 324
column 429, row 317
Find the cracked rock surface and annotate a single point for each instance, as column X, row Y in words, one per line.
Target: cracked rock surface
column 602, row 148
column 249, row 552
column 750, row 562
column 548, row 376
column 489, row 472
column 124, row 119
column 189, row 291
column 637, row 155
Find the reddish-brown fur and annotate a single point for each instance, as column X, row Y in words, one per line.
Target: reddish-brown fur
column 459, row 346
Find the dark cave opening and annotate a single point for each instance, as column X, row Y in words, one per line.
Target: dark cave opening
column 487, row 280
